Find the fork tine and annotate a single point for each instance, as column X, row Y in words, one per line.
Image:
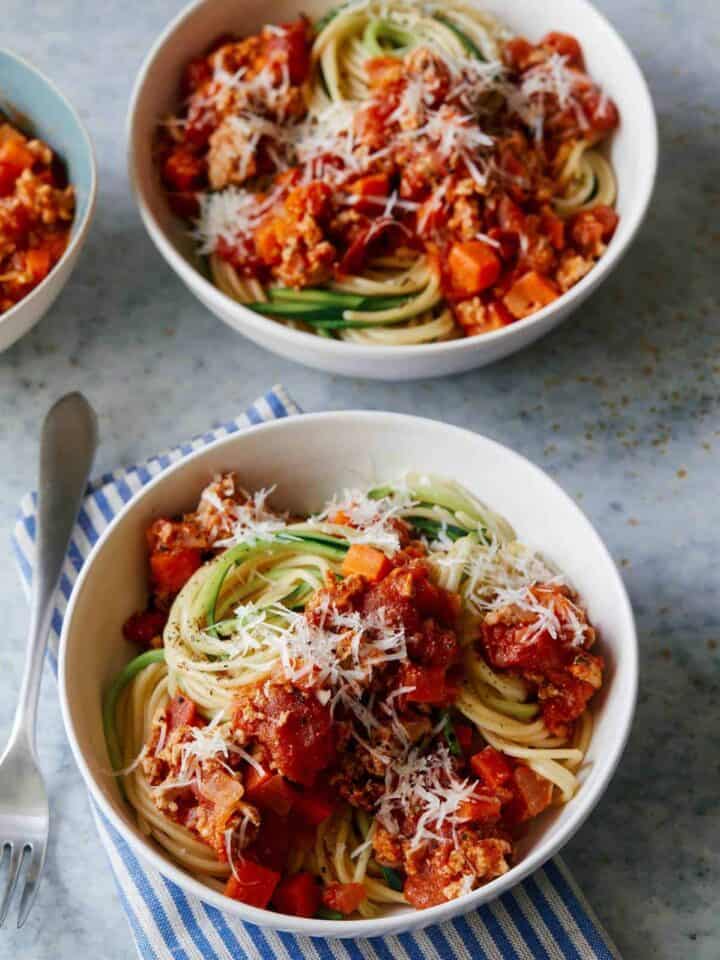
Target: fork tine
column 16, row 853
column 32, row 882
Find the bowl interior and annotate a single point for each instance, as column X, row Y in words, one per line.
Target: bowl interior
column 41, row 110
column 632, row 150
column 310, row 458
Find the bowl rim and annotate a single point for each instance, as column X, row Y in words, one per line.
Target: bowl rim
column 266, row 328
column 80, row 226
column 413, row 919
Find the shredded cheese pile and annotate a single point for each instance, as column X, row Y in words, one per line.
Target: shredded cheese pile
column 371, row 521
column 324, row 145
column 428, row 788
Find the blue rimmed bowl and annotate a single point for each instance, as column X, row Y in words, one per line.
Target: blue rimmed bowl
column 38, row 107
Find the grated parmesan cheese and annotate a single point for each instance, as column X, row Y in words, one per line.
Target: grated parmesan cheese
column 371, row 521
column 428, row 789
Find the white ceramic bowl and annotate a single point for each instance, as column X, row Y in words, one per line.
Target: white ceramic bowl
column 633, row 153
column 310, row 458
column 26, row 92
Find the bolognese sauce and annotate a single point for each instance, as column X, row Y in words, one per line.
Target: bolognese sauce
column 360, row 707
column 37, row 206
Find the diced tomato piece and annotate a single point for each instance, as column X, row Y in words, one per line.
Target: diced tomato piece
column 566, row 45
column 8, row 176
column 269, row 791
column 510, row 216
column 144, row 626
column 430, row 684
column 367, row 561
column 499, row 315
column 272, row 842
column 523, row 647
column 473, row 267
column 554, row 229
column 480, row 809
column 600, row 110
column 344, row 897
column 183, row 170
column 464, row 734
column 491, row 767
column 517, row 53
column 532, row 794
column 251, row 883
column 38, row 262
column 530, row 293
column 171, row 569
column 181, row 712
column 297, row 895
column 196, row 73
column 313, row 806
column 292, row 41
column 369, row 190
column 16, row 155
column 569, row 700
column 15, row 222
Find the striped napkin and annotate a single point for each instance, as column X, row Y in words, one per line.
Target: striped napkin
column 544, row 918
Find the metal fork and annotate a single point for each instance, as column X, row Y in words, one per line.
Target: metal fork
column 67, row 447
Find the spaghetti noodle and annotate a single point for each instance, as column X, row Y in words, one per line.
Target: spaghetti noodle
column 352, row 710
column 396, row 173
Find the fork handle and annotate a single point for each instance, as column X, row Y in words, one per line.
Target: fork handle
column 67, row 447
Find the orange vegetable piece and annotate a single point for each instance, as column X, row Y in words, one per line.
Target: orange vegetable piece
column 223, row 792
column 480, row 809
column 344, row 897
column 298, row 895
column 491, row 767
column 367, row 561
column 38, row 262
column 268, row 239
column 171, row 569
column 251, row 883
column 269, row 791
column 430, row 684
column 535, row 792
column 473, row 267
column 528, row 294
column 16, row 155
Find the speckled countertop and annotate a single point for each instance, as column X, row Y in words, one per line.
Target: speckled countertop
column 621, row 406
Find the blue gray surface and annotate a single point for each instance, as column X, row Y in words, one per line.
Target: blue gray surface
column 620, row 406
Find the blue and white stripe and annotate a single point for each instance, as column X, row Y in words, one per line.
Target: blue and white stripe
column 544, row 918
